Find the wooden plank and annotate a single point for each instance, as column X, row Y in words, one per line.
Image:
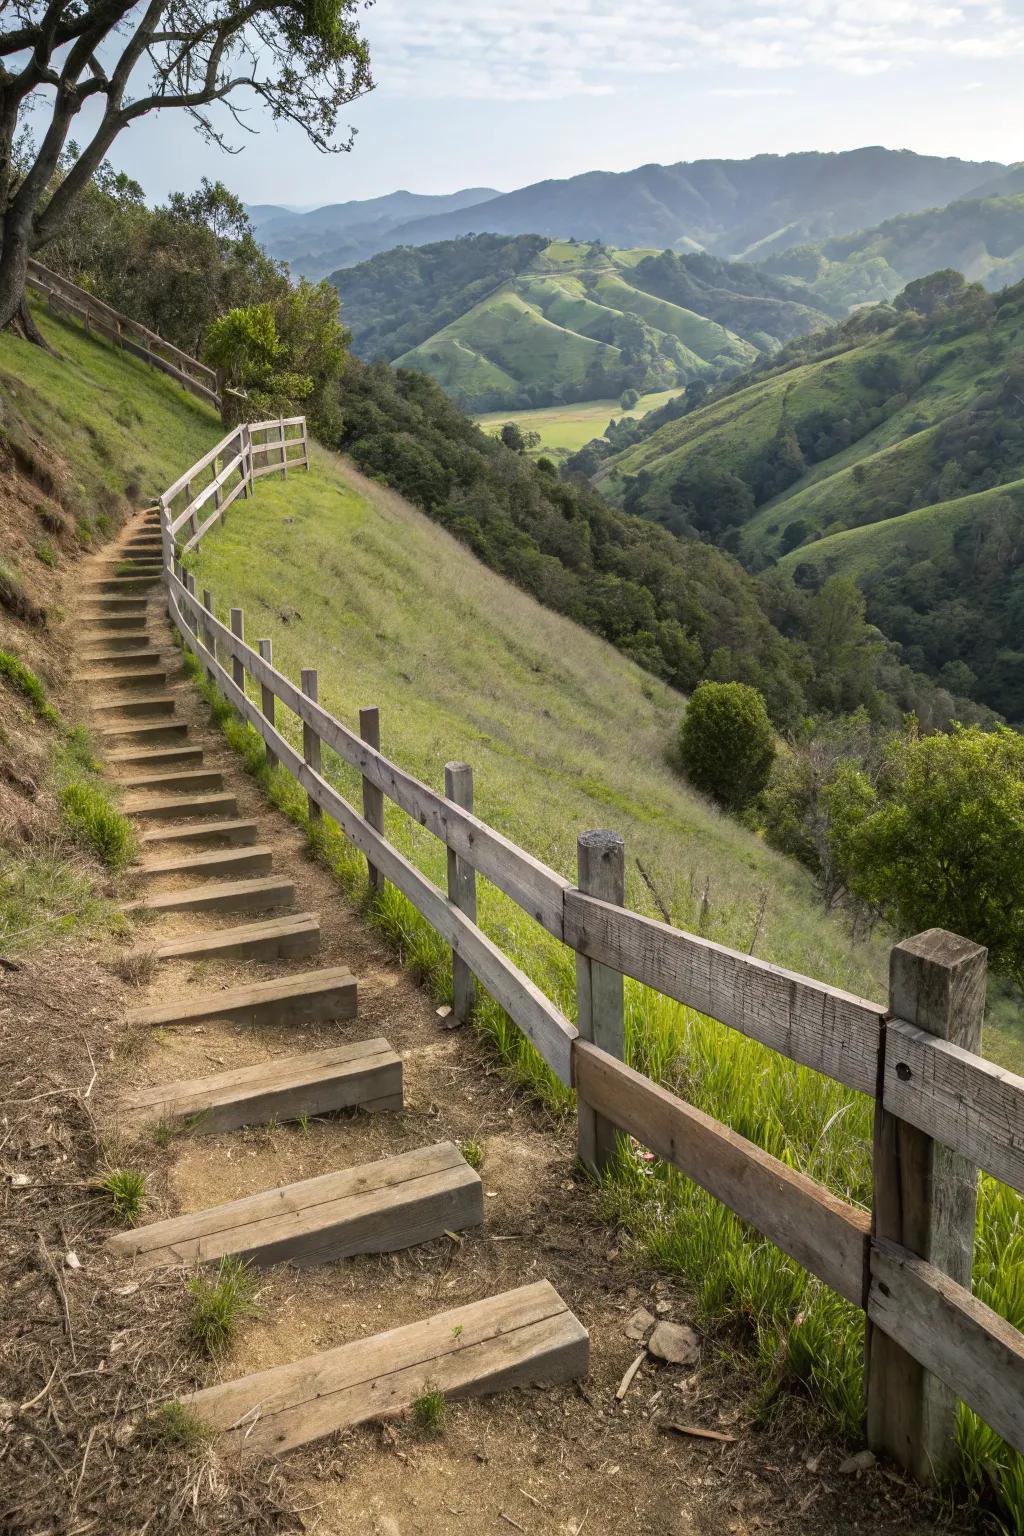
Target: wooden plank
column 600, row 1006
column 173, row 807
column 958, row 1098
column 153, row 757
column 210, row 489
column 540, row 891
column 329, row 993
column 142, row 733
column 256, row 858
column 373, row 797
column 133, row 705
column 520, row 1338
column 812, row 1023
column 267, row 701
column 366, row 1075
column 232, row 832
column 379, row 1207
column 310, row 740
column 216, row 452
column 278, row 938
column 458, row 788
column 184, row 782
column 977, row 1355
column 925, row 1200
column 805, row 1220
column 544, row 1025
column 146, row 677
column 267, row 894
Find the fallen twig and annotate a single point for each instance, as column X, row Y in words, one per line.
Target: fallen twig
column 624, row 1384
column 697, row 1433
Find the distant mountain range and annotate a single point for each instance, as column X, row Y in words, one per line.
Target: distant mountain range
column 509, row 322
column 731, row 208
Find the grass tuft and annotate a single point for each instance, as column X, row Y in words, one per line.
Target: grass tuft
column 46, row 553
column 173, row 1425
column 137, row 967
column 91, row 816
column 473, row 1153
column 430, row 1411
column 219, row 1304
column 127, row 1190
column 25, row 682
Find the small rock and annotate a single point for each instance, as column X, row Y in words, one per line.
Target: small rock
column 19, row 1180
column 674, row 1343
column 663, row 1308
column 863, row 1461
column 813, row 1462
column 72, row 1260
column 638, row 1324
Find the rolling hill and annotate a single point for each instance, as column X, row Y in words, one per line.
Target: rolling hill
column 890, row 449
column 981, row 237
column 504, row 323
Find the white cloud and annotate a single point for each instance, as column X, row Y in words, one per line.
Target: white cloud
column 550, row 49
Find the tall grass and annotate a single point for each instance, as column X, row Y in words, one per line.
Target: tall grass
column 464, row 676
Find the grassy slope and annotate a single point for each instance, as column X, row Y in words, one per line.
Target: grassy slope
column 564, row 734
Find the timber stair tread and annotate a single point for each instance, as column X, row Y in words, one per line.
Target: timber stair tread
column 120, row 656
column 258, row 856
column 235, row 831
column 184, row 780
column 328, row 993
column 280, row 938
column 172, row 807
column 142, row 730
column 517, row 1338
column 132, row 677
column 170, row 757
column 377, row 1207
column 262, row 895
column 365, row 1075
column 101, row 623
column 147, row 703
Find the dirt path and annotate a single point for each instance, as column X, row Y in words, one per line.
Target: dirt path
column 563, row 1461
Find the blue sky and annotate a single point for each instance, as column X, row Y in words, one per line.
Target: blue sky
column 486, row 92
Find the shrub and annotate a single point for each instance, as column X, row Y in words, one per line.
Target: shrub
column 98, row 824
column 726, row 745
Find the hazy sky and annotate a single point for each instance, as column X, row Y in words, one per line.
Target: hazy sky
column 491, row 93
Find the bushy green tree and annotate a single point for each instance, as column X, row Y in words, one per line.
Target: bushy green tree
column 244, row 347
column 726, row 743
column 940, row 844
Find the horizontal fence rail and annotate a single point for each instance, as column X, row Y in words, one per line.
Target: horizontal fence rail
column 66, row 298
column 942, row 1110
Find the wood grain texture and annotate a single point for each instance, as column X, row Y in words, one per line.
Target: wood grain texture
column 376, row 1208
column 519, row 1338
column 806, row 1020
column 367, row 1074
column 256, row 858
column 233, row 832
column 600, row 1010
column 329, row 993
column 976, row 1354
column 805, row 1220
column 172, row 807
column 277, row 938
column 268, row 893
column 958, row 1098
column 458, row 788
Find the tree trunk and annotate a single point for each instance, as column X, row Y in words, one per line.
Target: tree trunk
column 14, row 310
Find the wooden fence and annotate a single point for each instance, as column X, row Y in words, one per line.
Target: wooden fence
column 67, row 299
column 942, row 1111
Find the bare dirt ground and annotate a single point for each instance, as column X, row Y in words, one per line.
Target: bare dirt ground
column 96, row 1346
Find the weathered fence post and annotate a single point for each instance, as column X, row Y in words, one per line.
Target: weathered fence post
column 238, row 630
column 284, row 450
column 458, row 786
column 191, row 615
column 601, row 862
column 310, row 739
column 373, row 796
column 209, row 638
column 266, row 650
column 925, row 1199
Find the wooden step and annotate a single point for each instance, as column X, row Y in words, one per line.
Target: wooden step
column 191, row 779
column 153, row 757
column 146, row 563
column 143, row 733
column 525, row 1337
column 141, row 704
column 99, row 625
column 376, row 1208
column 174, row 807
column 138, row 677
column 276, row 938
column 311, row 996
column 116, row 584
column 268, row 894
column 102, row 603
column 233, row 833
column 367, row 1074
column 258, row 858
column 119, row 650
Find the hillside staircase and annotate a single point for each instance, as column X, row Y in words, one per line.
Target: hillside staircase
column 202, row 859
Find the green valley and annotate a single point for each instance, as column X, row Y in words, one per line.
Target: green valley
column 519, row 323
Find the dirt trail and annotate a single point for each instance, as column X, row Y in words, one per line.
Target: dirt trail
column 564, row 1461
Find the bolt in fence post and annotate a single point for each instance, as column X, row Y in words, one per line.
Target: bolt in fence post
column 373, row 797
column 238, row 630
column 925, row 1198
column 310, row 739
column 266, row 649
column 209, row 638
column 601, row 862
column 458, row 786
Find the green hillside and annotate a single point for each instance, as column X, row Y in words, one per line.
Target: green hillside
column 514, row 323
column 982, row 237
column 900, row 419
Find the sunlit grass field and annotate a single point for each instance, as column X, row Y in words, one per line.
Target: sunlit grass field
column 565, row 735
column 564, row 429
